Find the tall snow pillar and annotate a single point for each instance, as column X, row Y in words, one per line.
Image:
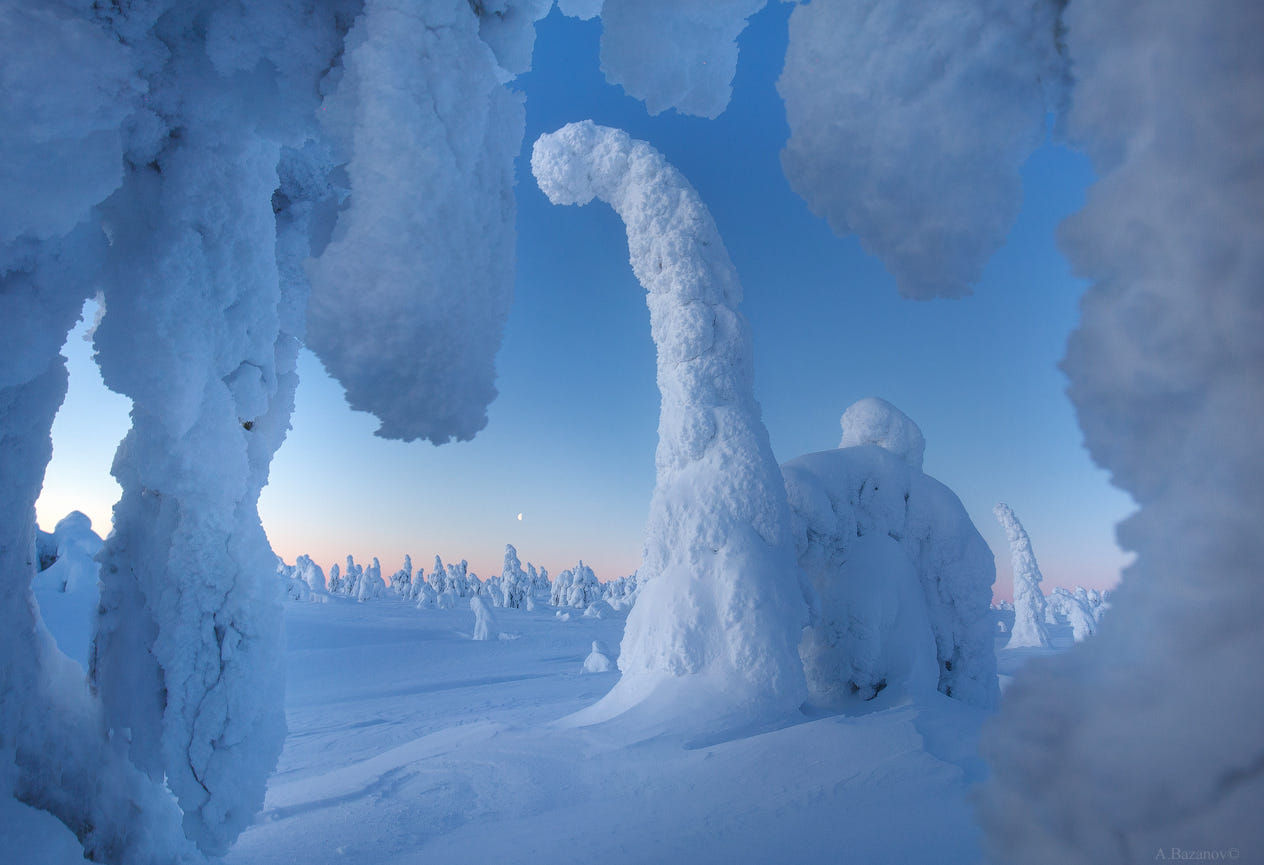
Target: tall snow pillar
column 720, row 601
column 1029, row 602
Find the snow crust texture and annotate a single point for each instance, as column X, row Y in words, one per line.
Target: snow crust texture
column 717, row 592
column 1029, row 601
column 909, row 121
column 1147, row 737
column 899, row 577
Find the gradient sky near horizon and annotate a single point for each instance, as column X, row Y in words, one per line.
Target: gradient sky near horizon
column 571, row 437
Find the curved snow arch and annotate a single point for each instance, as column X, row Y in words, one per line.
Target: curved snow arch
column 720, row 594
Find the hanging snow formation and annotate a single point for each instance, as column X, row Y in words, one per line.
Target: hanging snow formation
column 1029, row 601
column 909, row 122
column 170, row 156
column 1148, row 736
column 718, row 597
column 678, row 54
column 899, row 577
column 425, row 242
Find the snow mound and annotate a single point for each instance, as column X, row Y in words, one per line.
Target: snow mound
column 874, row 421
column 485, row 625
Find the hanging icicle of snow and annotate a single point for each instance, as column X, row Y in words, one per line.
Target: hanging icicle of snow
column 909, row 122
column 719, row 595
column 1029, row 601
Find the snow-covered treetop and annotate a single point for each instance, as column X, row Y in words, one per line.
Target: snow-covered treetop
column 874, row 421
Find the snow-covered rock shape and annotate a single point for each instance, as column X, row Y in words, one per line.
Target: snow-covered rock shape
column 678, row 54
column 909, row 122
column 900, row 580
column 719, row 596
column 1164, row 370
column 1029, row 601
column 426, row 242
column 874, row 421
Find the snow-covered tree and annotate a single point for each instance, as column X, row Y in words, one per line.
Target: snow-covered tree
column 1029, row 601
column 899, row 577
column 402, row 580
column 515, row 583
column 336, row 586
column 719, row 598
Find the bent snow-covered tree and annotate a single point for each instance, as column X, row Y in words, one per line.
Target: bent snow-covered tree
column 719, row 593
column 1029, row 601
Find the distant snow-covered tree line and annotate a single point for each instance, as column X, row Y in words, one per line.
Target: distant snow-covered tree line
column 516, row 587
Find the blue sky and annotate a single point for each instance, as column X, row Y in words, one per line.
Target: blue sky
column 570, row 440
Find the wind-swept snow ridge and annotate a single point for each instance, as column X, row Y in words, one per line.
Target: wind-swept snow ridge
column 719, row 593
column 1029, row 601
column 678, row 54
column 909, row 121
column 425, row 244
column 1148, row 737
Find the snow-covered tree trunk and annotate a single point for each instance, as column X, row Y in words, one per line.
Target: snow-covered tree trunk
column 720, row 594
column 1029, row 601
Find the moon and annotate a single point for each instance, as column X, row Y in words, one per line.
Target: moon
column 519, row 517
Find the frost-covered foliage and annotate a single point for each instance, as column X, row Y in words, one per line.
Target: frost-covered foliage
column 678, row 54
column 1148, row 736
column 718, row 591
column 1029, row 600
column 909, row 122
column 901, row 580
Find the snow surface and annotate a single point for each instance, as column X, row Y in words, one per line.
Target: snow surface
column 718, row 597
column 410, row 743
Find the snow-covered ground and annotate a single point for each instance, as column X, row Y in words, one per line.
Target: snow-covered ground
column 411, row 742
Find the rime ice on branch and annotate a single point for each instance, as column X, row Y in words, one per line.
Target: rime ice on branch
column 719, row 596
column 1029, row 602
